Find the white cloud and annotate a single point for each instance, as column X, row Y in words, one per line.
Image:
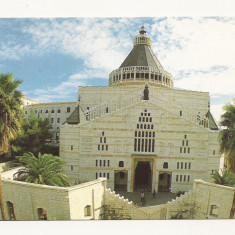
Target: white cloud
column 198, row 46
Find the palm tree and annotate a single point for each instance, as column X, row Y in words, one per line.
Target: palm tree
column 10, row 110
column 227, row 178
column 227, row 136
column 46, row 169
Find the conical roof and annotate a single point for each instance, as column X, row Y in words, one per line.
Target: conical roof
column 142, row 54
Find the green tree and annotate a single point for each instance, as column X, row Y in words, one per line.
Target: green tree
column 44, row 169
column 35, row 132
column 227, row 136
column 227, row 178
column 10, row 111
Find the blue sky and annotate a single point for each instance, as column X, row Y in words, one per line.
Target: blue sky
column 53, row 56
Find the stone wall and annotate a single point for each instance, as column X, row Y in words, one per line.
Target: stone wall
column 60, row 203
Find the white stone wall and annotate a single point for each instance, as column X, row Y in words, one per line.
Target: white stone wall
column 60, row 203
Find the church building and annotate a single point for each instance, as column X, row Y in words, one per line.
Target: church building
column 139, row 132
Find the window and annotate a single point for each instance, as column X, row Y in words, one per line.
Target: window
column 185, row 136
column 40, row 111
column 177, row 178
column 68, row 109
column 188, row 178
column 59, row 111
column 165, row 165
column 100, row 162
column 185, row 165
column 42, row 214
column 213, row 152
column 180, row 178
column 96, row 175
column 102, row 133
column 214, row 210
column 11, row 212
column 180, row 113
column 96, row 163
column 98, row 147
column 184, row 178
column 71, row 147
column 178, row 165
column 52, row 120
column 104, row 174
column 25, row 112
column 46, row 111
column 71, row 167
column 108, row 176
column 188, row 150
column 189, row 165
column 100, row 139
column 87, row 210
column 184, row 150
column 104, row 139
column 108, row 162
column 52, row 111
column 121, row 163
column 182, row 142
column 100, row 174
column 102, row 147
column 186, row 142
column 104, row 162
column 58, row 120
column 182, row 165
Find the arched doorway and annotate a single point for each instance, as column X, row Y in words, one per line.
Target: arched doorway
column 120, row 181
column 143, row 177
column 164, row 182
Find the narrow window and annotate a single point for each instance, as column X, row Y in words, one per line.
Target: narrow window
column 145, row 126
column 104, row 162
column 213, row 152
column 189, row 165
column 58, row 120
column 146, row 145
column 104, row 139
column 106, row 147
column 150, row 133
column 58, row 111
column 150, row 119
column 46, row 111
column 108, row 176
column 102, row 133
column 137, row 126
column 25, row 112
column 153, row 134
column 71, row 147
column 104, row 174
column 178, row 165
column 96, row 175
column 184, row 178
column 135, row 144
column 182, row 142
column 142, row 145
column 11, row 212
column 177, row 178
column 100, row 162
column 186, row 142
column 135, row 133
column 139, row 133
column 139, row 119
column 100, row 139
column 188, row 150
column 40, row 111
column 96, row 163
column 150, row 145
column 185, row 165
column 98, row 147
column 182, row 165
column 102, row 147
column 142, row 114
column 52, row 111
column 184, row 150
column 147, row 119
column 100, row 174
column 68, row 109
column 138, row 145
column 71, row 167
column 141, row 126
column 180, row 113
column 180, row 178
column 121, row 163
column 180, row 150
column 153, row 144
column 185, row 136
column 188, row 178
column 142, row 133
column 149, row 115
column 108, row 162
column 146, row 134
column 52, row 120
column 143, row 119
column 151, row 126
column 87, row 210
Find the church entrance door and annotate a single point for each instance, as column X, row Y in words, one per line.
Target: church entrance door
column 164, row 183
column 120, row 180
column 143, row 177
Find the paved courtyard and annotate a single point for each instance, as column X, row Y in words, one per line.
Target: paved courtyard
column 161, row 198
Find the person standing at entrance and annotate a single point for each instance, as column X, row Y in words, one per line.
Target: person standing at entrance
column 154, row 193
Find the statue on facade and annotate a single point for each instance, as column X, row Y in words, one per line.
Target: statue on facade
column 146, row 93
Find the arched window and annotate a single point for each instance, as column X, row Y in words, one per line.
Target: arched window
column 47, row 111
column 59, row 111
column 42, row 214
column 11, row 212
column 52, row 111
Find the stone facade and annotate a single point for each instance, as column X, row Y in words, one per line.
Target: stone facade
column 162, row 140
column 57, row 113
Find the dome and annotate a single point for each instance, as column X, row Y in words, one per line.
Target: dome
column 141, row 65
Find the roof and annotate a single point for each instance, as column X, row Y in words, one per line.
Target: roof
column 142, row 55
column 212, row 123
column 74, row 118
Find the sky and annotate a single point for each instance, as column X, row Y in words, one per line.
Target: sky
column 53, row 56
